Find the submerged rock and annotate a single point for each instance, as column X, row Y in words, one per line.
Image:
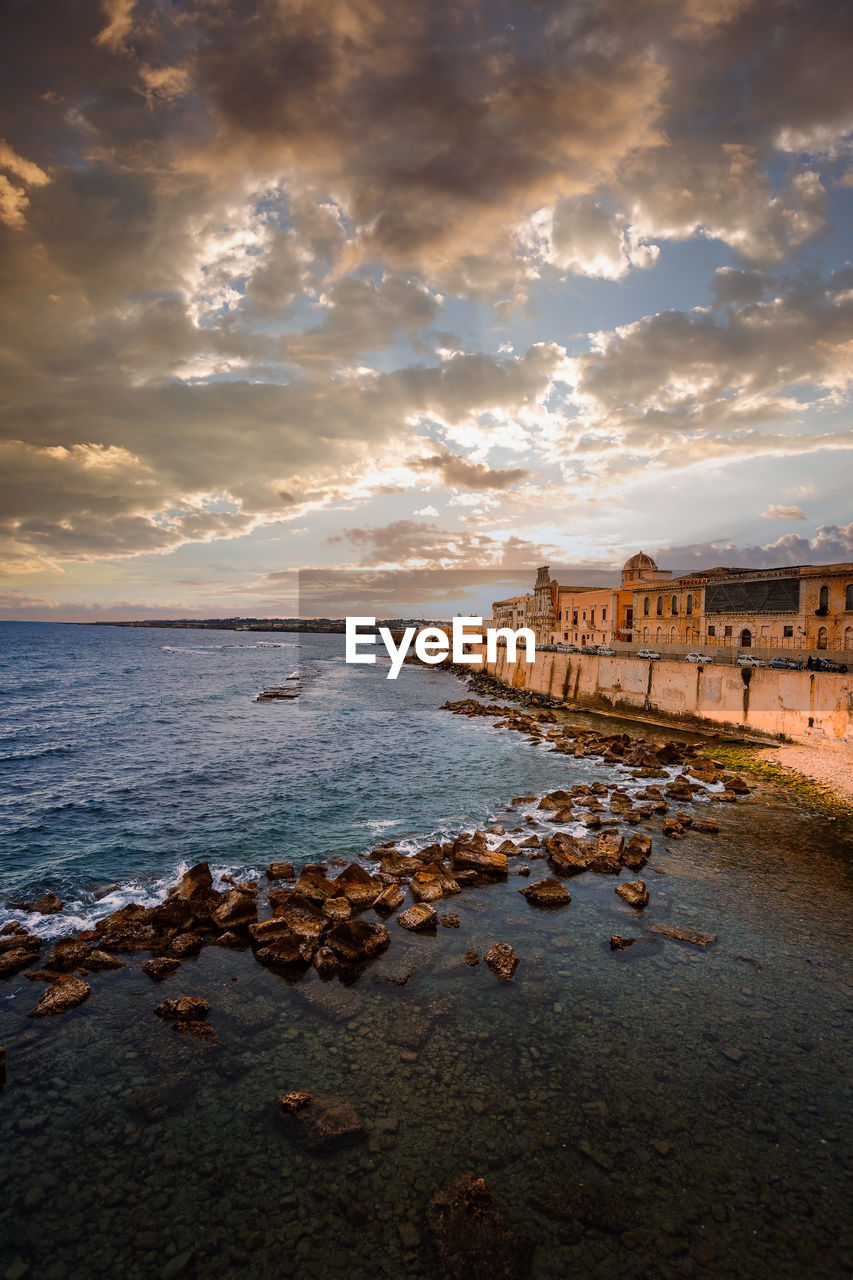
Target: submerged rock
column 48, row 905
column 471, row 959
column 321, row 1122
column 281, row 871
column 502, row 961
column 546, row 893
column 64, row 994
column 634, row 892
column 389, row 900
column 237, row 909
column 618, row 943
column 684, row 935
column 567, row 855
column 470, row 1235
column 184, row 1009
column 635, row 855
column 337, row 909
column 357, row 885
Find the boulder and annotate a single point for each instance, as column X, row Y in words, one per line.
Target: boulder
column 357, row 885
column 607, row 858
column 64, row 994
column 314, row 884
column 735, row 784
column 420, row 918
column 706, row 826
column 237, row 910
column 186, row 944
column 287, row 951
column 326, row 962
column 634, row 892
column 471, row 1237
column 298, row 912
column 281, row 871
column 400, row 865
column 48, row 905
column 684, row 935
column 160, row 967
column 321, row 1122
column 636, row 852
column 337, row 909
column 502, row 961
column 98, row 960
column 426, row 886
column 546, row 893
column 471, row 959
column 389, row 900
column 184, row 1009
column 355, row 941
column 672, row 829
column 129, row 929
column 470, row 853
column 567, row 855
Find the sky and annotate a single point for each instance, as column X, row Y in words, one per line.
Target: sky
column 417, row 285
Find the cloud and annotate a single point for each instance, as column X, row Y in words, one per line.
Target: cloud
column 404, row 543
column 830, row 544
column 775, row 512
column 456, row 472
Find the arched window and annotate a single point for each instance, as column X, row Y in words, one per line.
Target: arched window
column 646, row 605
column 674, row 606
column 848, row 597
column 657, row 636
column 822, row 638
column 690, row 604
column 659, row 607
column 745, row 638
column 673, row 638
column 645, row 635
column 848, row 637
column 823, row 601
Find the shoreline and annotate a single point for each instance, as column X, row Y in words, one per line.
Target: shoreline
column 829, row 766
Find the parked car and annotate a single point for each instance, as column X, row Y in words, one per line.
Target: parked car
column 698, row 657
column 824, row 664
column 589, row 648
column 649, row 654
column 566, row 648
column 604, row 652
column 747, row 660
column 785, row 664
column 547, row 648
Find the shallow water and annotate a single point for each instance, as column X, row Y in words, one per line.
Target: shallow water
column 662, row 1112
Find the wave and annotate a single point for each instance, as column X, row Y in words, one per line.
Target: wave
column 35, row 753
column 212, row 648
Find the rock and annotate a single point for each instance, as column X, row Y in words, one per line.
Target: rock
column 634, row 892
column 679, row 789
column 470, row 853
column 161, row 967
column 532, row 842
column 64, row 994
column 357, row 885
column 337, row 909
column 684, row 935
column 389, row 900
column 502, row 961
column 130, row 929
column 426, row 887
column 98, row 960
column 196, row 882
column 546, row 893
column 618, row 943
column 735, row 784
column 288, row 950
column 635, row 855
column 48, row 905
column 237, row 910
column 706, row 826
column 20, row 957
column 567, row 855
column 234, row 941
column 300, row 915
column 400, row 865
column 314, row 885
column 184, row 1009
column 420, row 918
column 326, row 962
column 281, row 871
column 321, row 1122
column 471, row 1237
column 356, row 941
column 471, row 958
column 186, row 944
column 673, row 829
column 607, row 858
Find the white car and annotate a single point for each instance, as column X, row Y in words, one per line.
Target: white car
column 698, row 657
column 605, row 652
column 649, row 654
column 747, row 660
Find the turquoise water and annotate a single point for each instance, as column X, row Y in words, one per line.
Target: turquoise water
column 662, row 1112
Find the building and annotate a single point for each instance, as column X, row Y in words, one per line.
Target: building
column 512, row 612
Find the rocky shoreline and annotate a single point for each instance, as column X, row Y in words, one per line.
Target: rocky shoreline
column 324, row 917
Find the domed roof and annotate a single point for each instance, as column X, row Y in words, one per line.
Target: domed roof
column 640, row 561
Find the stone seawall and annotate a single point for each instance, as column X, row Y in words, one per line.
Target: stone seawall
column 803, row 706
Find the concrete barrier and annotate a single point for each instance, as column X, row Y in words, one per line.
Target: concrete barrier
column 802, row 706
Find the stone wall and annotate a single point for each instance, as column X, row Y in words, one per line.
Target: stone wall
column 804, row 706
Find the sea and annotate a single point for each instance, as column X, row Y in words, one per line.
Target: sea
column 666, row 1111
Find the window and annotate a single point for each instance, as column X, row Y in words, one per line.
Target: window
column 604, row 615
column 848, row 637
column 745, row 638
column 646, row 607
column 823, row 601
column 727, row 631
column 584, row 615
column 674, row 606
column 787, row 632
column 848, row 597
column 690, row 604
column 712, row 631
column 574, row 617
column 659, row 607
column 822, row 638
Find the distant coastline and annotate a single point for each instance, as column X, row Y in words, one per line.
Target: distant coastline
column 326, row 625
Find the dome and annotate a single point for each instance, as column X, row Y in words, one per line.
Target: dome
column 639, row 566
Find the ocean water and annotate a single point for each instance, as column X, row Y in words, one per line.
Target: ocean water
column 663, row 1112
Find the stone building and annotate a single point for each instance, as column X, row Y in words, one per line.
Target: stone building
column 513, row 612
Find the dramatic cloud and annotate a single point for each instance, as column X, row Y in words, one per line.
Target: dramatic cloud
column 830, row 543
column 455, row 471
